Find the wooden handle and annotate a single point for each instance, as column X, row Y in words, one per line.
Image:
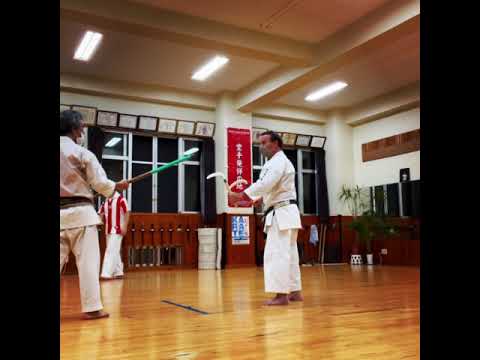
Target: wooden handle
column 139, row 177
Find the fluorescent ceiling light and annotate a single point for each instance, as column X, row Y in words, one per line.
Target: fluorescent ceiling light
column 209, row 68
column 114, row 141
column 325, row 91
column 87, row 46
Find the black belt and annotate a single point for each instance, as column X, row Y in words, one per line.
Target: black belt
column 74, row 200
column 271, row 208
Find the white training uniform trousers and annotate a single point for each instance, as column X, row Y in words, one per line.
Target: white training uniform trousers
column 280, row 260
column 80, row 171
column 83, row 242
column 112, row 261
column 275, row 185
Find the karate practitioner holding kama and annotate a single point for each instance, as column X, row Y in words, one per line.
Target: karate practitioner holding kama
column 276, row 188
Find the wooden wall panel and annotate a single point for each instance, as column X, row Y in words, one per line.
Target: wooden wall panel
column 156, row 229
column 391, row 146
column 239, row 255
column 181, row 229
column 403, row 249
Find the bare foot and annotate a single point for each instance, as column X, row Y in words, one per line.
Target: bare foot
column 295, row 296
column 280, row 299
column 93, row 315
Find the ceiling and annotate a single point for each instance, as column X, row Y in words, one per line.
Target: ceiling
column 141, row 60
column 384, row 71
column 128, row 56
column 303, row 20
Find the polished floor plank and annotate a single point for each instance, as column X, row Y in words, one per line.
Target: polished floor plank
column 349, row 312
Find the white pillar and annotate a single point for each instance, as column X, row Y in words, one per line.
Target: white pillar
column 226, row 116
column 338, row 159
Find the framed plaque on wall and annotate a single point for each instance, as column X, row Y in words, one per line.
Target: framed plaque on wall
column 168, row 126
column 148, row 123
column 127, row 121
column 107, row 118
column 185, row 127
column 289, row 139
column 89, row 114
column 318, row 141
column 303, row 140
column 204, row 129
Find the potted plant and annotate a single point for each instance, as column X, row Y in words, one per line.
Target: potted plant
column 366, row 224
column 369, row 226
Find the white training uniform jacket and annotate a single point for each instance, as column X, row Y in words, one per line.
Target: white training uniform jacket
column 79, row 172
column 276, row 184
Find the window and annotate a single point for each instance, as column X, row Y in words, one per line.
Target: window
column 114, row 144
column 167, row 150
column 192, row 188
column 308, row 189
column 189, row 197
column 176, row 189
column 305, row 180
column 167, row 181
column 190, row 144
column 167, row 191
column 257, row 157
column 141, row 190
column 113, row 168
column 142, row 148
column 115, row 158
column 309, row 194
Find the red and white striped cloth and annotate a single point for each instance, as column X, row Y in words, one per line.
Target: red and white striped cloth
column 114, row 210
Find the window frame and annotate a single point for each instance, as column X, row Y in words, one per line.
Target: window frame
column 128, row 161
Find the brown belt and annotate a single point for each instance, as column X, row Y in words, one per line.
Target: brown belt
column 67, row 202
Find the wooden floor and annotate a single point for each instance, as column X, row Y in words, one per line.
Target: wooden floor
column 349, row 313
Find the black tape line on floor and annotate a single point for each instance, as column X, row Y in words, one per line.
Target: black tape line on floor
column 186, row 307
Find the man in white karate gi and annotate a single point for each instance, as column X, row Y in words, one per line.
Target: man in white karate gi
column 80, row 172
column 276, row 188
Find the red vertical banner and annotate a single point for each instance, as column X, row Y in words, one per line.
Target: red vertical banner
column 239, row 159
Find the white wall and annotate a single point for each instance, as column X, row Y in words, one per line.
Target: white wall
column 338, row 159
column 288, row 126
column 385, row 171
column 136, row 107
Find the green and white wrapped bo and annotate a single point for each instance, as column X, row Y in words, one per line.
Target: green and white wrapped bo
column 186, row 156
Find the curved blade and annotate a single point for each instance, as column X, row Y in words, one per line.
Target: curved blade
column 190, row 151
column 215, row 174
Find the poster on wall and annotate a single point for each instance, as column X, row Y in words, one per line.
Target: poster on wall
column 240, row 230
column 239, row 159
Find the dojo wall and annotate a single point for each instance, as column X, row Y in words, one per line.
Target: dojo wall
column 288, row 126
column 137, row 107
column 384, row 171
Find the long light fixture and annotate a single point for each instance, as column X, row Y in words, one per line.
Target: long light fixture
column 209, row 68
column 325, row 91
column 114, row 141
column 87, row 46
